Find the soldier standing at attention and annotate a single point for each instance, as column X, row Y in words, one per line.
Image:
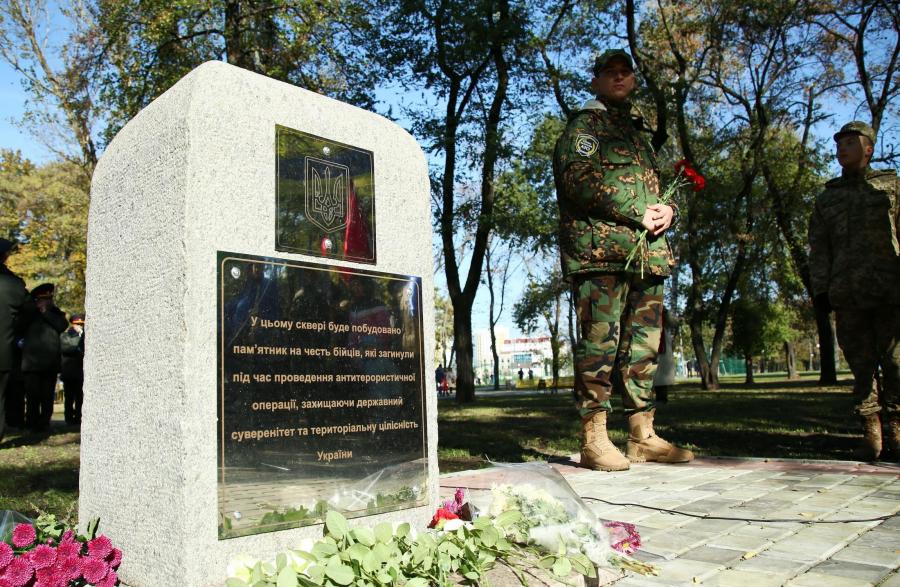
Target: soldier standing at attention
column 854, row 263
column 607, row 187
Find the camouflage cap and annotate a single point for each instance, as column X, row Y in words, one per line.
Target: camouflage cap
column 604, row 58
column 856, row 127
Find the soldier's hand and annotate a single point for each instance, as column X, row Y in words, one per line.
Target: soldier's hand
column 658, row 218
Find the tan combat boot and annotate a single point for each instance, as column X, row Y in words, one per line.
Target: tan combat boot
column 645, row 445
column 597, row 451
column 870, row 447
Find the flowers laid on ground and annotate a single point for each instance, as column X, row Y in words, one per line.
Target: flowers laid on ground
column 574, row 531
column 47, row 554
column 623, row 537
column 541, row 523
column 685, row 175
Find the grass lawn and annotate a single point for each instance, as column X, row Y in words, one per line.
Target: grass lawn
column 774, row 418
column 39, row 473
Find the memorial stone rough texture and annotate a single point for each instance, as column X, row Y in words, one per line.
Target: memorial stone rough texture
column 260, row 294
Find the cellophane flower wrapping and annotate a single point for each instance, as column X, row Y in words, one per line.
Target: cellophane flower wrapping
column 554, row 517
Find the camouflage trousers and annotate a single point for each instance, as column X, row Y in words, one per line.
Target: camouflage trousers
column 620, row 321
column 869, row 339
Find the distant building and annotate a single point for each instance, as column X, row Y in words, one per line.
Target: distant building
column 532, row 352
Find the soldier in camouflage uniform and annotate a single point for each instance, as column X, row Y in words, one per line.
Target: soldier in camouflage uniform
column 855, row 268
column 607, row 187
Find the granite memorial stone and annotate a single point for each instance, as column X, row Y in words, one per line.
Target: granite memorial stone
column 258, row 344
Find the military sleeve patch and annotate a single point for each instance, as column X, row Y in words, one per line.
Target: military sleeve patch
column 586, row 145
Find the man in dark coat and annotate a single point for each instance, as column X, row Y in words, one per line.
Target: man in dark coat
column 15, row 305
column 41, row 357
column 72, row 374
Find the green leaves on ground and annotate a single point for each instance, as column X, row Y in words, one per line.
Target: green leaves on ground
column 386, row 556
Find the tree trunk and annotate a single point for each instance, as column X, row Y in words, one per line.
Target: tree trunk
column 235, row 48
column 748, row 365
column 496, row 357
column 554, row 342
column 462, row 346
column 790, row 359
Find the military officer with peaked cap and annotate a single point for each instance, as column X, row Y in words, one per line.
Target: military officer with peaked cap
column 41, row 357
column 607, row 188
column 855, row 269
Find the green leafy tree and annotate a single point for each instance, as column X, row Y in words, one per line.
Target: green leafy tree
column 542, row 301
column 443, row 328
column 44, row 208
column 151, row 44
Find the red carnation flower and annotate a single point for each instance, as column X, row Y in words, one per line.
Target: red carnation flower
column 99, row 547
column 442, row 514
column 43, row 556
column 23, row 535
column 6, row 555
column 94, row 569
column 19, row 572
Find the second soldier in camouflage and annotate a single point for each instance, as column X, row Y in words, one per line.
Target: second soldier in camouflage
column 607, row 186
column 854, row 265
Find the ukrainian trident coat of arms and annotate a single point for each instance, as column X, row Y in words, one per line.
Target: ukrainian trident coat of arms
column 327, row 193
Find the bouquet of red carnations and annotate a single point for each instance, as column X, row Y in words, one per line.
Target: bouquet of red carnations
column 47, row 554
column 685, row 175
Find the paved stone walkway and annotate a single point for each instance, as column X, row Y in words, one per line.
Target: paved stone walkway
column 753, row 550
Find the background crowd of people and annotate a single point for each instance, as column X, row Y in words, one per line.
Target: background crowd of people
column 38, row 344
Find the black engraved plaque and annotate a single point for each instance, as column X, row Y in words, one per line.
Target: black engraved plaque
column 321, row 393
column 325, row 198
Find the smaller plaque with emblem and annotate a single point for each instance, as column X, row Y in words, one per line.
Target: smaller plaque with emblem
column 325, row 202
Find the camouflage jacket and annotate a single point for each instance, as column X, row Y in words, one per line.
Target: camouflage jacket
column 854, row 255
column 606, row 176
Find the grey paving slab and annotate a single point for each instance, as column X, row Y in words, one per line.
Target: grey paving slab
column 711, row 554
column 804, row 550
column 852, row 570
column 683, row 572
column 740, row 578
column 739, row 542
column 735, row 552
column 714, row 527
column 765, row 563
column 822, row 580
column 674, row 543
